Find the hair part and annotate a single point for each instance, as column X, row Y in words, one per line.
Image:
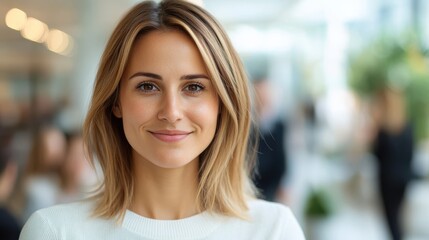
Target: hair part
column 224, row 185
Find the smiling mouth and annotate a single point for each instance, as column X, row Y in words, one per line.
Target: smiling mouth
column 170, row 136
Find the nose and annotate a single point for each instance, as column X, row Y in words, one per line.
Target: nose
column 170, row 108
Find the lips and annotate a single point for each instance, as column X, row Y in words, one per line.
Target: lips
column 170, row 135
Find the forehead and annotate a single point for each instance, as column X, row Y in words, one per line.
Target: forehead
column 169, row 36
column 161, row 48
column 170, row 42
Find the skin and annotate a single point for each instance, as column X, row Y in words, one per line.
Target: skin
column 55, row 148
column 169, row 109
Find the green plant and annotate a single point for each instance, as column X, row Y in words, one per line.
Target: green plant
column 317, row 205
column 386, row 63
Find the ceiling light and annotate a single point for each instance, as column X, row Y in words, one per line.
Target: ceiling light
column 16, row 19
column 35, row 30
column 59, row 42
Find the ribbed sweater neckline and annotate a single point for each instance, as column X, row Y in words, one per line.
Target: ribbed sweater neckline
column 194, row 227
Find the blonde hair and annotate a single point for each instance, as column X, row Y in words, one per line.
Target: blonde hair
column 224, row 185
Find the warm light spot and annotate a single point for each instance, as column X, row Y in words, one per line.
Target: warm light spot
column 69, row 47
column 16, row 19
column 58, row 41
column 35, row 30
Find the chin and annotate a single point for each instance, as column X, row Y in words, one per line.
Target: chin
column 171, row 164
column 171, row 161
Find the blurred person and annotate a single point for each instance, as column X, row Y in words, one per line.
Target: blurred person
column 169, row 124
column 74, row 171
column 77, row 177
column 9, row 224
column 41, row 177
column 271, row 157
column 393, row 148
column 310, row 124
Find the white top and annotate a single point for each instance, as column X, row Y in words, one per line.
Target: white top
column 72, row 222
column 42, row 192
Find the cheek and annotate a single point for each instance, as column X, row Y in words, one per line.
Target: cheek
column 136, row 114
column 137, row 110
column 207, row 114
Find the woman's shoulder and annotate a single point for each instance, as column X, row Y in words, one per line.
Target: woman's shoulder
column 67, row 213
column 264, row 209
column 276, row 218
column 51, row 222
column 80, row 209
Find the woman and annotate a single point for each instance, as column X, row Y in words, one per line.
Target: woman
column 42, row 176
column 169, row 123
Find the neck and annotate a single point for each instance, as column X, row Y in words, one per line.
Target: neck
column 162, row 193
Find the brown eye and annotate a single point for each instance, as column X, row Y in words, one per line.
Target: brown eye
column 147, row 87
column 194, row 88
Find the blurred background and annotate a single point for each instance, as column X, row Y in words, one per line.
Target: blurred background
column 341, row 90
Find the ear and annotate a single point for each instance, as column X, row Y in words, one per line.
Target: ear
column 117, row 111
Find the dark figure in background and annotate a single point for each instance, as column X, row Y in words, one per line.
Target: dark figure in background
column 9, row 226
column 271, row 162
column 393, row 148
column 271, row 157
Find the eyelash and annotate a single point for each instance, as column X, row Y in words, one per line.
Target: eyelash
column 195, row 84
column 141, row 86
column 200, row 87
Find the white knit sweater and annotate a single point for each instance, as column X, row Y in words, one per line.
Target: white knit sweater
column 73, row 222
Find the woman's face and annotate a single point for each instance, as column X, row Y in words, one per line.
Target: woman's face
column 167, row 102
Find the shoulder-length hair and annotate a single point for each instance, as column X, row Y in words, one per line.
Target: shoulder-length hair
column 224, row 181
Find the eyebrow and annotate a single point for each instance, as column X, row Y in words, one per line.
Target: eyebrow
column 156, row 76
column 146, row 74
